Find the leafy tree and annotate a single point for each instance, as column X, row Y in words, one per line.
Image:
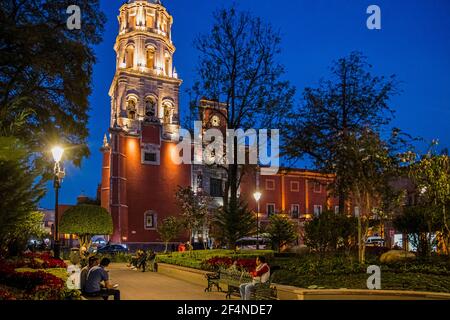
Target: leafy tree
column 328, row 231
column 342, row 126
column 281, row 231
column 238, row 66
column 230, row 223
column 341, row 108
column 20, row 192
column 373, row 164
column 45, row 73
column 45, row 81
column 169, row 229
column 195, row 209
column 27, row 227
column 85, row 221
column 431, row 175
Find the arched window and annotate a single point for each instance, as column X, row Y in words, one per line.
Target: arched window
column 150, row 107
column 129, row 53
column 149, row 21
column 131, row 109
column 150, row 58
column 132, row 22
column 167, row 64
column 168, row 113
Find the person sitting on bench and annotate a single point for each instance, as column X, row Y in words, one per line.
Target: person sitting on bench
column 260, row 275
column 135, row 260
column 98, row 275
column 92, row 262
column 142, row 262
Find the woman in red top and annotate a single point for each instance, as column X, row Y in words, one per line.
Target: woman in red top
column 260, row 275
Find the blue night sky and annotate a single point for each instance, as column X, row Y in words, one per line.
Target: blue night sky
column 414, row 44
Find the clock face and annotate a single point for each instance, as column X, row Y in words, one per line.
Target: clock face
column 215, row 121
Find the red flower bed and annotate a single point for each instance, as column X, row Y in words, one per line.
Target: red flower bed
column 48, row 261
column 247, row 264
column 6, row 295
column 36, row 285
column 226, row 262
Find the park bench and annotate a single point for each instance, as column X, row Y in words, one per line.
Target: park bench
column 213, row 279
column 84, row 297
column 234, row 278
column 266, row 291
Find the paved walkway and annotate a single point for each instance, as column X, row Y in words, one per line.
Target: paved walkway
column 136, row 285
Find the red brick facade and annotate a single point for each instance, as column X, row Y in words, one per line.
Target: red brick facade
column 139, row 178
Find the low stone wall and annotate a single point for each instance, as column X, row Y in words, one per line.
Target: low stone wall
column 294, row 293
column 190, row 275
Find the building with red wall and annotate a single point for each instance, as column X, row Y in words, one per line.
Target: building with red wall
column 139, row 178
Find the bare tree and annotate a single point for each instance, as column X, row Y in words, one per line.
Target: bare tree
column 237, row 67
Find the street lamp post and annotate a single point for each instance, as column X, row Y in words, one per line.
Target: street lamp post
column 257, row 196
column 58, row 176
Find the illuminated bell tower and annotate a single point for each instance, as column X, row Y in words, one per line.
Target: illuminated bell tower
column 145, row 87
column 144, row 121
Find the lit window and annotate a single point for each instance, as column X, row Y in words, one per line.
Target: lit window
column 270, row 209
column 317, row 210
column 150, row 58
column 149, row 21
column 168, row 112
column 129, row 57
column 131, row 109
column 295, row 211
column 132, row 21
column 167, row 66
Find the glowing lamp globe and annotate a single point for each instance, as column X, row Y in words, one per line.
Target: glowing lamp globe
column 57, row 153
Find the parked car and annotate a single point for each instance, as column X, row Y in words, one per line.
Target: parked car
column 99, row 242
column 375, row 241
column 249, row 243
column 112, row 249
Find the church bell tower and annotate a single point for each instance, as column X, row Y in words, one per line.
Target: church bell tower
column 144, row 124
column 145, row 87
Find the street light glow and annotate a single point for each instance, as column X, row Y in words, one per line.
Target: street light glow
column 257, row 195
column 57, row 153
